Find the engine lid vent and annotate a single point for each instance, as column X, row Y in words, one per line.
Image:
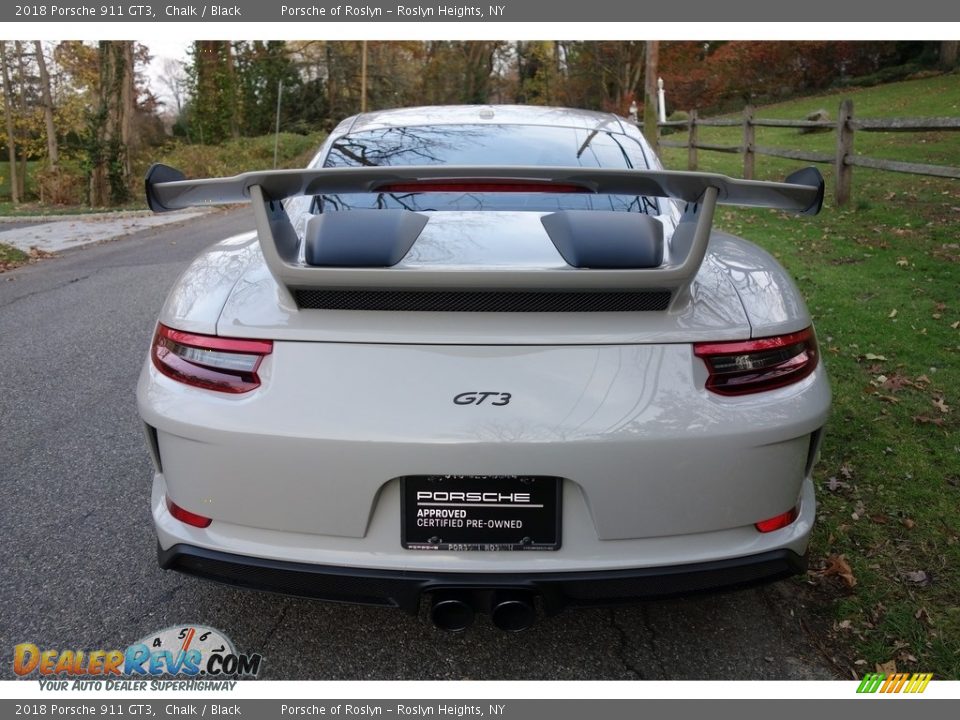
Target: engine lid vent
column 483, row 301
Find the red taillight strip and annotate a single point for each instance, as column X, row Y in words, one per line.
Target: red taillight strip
column 501, row 186
column 211, row 342
column 221, row 364
column 743, row 347
column 743, row 367
column 187, row 517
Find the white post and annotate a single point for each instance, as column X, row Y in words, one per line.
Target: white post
column 276, row 132
column 661, row 102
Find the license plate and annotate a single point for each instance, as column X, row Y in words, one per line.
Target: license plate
column 480, row 512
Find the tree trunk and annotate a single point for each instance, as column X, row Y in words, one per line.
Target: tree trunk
column 233, row 94
column 111, row 127
column 53, row 151
column 216, row 96
column 650, row 94
column 8, row 115
column 128, row 110
column 331, row 79
column 478, row 65
column 22, row 85
column 948, row 53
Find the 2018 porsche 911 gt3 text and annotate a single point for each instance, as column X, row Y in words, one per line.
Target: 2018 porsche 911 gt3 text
column 493, row 355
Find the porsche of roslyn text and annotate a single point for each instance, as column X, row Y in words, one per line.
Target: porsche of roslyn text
column 492, row 357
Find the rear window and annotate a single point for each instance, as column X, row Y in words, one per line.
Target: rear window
column 487, row 145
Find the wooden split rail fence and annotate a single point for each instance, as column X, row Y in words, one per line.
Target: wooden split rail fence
column 843, row 159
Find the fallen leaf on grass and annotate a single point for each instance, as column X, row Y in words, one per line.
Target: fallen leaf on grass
column 924, row 420
column 893, row 313
column 916, row 577
column 895, row 382
column 838, row 565
column 859, row 510
column 833, row 484
column 888, row 668
column 940, row 405
column 908, row 523
column 871, row 356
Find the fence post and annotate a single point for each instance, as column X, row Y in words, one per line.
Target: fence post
column 692, row 141
column 843, row 171
column 748, row 137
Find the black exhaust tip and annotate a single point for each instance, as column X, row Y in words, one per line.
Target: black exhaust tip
column 513, row 612
column 452, row 612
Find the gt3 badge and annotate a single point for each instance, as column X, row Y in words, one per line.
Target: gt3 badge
column 477, row 398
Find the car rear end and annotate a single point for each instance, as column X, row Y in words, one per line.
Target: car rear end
column 485, row 447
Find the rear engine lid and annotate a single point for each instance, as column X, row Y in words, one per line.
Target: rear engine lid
column 709, row 309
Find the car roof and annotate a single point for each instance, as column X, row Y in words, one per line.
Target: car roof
column 493, row 114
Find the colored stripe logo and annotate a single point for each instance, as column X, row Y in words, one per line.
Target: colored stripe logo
column 894, row 683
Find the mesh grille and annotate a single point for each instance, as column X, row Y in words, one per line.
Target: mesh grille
column 483, row 301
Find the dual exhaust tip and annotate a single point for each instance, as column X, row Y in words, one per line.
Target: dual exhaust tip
column 510, row 611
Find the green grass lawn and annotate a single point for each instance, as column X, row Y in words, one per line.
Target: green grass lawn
column 5, row 177
column 11, row 257
column 882, row 280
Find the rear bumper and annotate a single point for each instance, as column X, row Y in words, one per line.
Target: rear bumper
column 645, row 452
column 402, row 589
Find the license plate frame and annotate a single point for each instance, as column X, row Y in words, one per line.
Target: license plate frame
column 480, row 512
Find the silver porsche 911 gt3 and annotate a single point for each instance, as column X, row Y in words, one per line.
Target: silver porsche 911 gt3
column 494, row 356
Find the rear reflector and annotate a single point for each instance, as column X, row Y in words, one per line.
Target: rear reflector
column 751, row 366
column 777, row 522
column 185, row 516
column 500, row 186
column 213, row 363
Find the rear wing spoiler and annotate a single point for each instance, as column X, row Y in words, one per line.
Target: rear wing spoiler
column 168, row 189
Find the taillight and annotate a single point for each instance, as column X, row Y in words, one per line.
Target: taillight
column 777, row 522
column 750, row 366
column 185, row 516
column 214, row 363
